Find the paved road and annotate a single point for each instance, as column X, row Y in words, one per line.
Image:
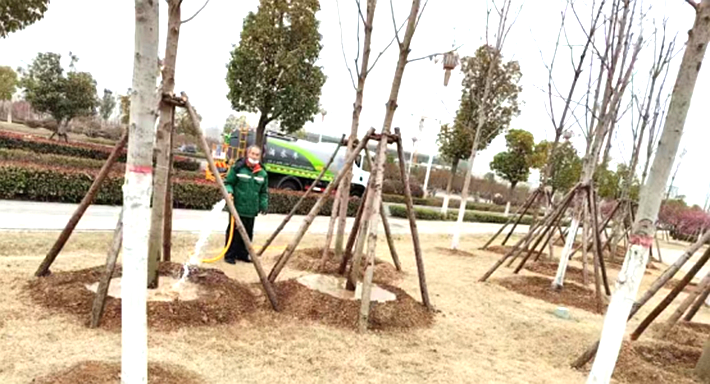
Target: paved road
column 37, row 216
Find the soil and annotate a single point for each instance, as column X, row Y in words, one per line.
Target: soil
column 307, row 304
column 454, row 252
column 656, row 362
column 504, row 249
column 686, row 333
column 571, row 295
column 99, row 372
column 309, row 259
column 550, row 269
column 224, row 300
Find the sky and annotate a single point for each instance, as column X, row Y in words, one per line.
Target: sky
column 100, row 33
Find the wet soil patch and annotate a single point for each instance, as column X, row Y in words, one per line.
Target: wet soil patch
column 309, row 259
column 98, row 372
column 571, row 295
column 453, row 252
column 221, row 301
column 504, row 249
column 303, row 303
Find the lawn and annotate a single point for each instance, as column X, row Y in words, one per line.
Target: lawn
column 482, row 332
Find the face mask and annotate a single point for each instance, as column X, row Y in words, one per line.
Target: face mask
column 252, row 161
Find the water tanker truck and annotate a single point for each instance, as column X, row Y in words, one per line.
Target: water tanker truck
column 292, row 164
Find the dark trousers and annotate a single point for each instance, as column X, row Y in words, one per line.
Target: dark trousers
column 237, row 250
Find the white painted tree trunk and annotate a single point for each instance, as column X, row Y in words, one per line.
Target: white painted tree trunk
column 9, row 113
column 445, row 205
column 507, row 208
column 466, row 184
column 564, row 257
column 136, row 195
column 634, row 266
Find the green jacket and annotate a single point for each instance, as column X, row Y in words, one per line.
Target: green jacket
column 250, row 189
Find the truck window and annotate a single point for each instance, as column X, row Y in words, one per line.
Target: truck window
column 358, row 161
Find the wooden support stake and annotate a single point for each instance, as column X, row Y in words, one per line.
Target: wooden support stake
column 347, row 255
column 286, row 255
column 697, row 304
column 97, row 309
column 657, row 284
column 528, row 237
column 412, row 222
column 518, row 214
column 592, row 200
column 168, row 212
column 671, row 296
column 43, row 269
column 603, row 226
column 683, row 307
column 268, row 288
column 301, row 200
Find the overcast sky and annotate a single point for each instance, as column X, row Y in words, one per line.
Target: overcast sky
column 100, row 33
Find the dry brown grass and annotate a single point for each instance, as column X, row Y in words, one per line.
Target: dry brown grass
column 483, row 333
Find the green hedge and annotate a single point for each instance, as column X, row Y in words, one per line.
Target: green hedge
column 52, row 160
column 64, row 186
column 83, row 150
column 469, row 216
column 438, row 202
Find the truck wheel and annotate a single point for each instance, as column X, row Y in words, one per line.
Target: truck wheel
column 290, row 185
column 357, row 192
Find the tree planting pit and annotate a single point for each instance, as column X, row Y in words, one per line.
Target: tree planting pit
column 219, row 299
column 170, row 289
column 100, row 372
column 571, row 295
column 335, row 286
column 309, row 260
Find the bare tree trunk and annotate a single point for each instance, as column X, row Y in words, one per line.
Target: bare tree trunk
column 168, row 219
column 261, row 131
column 136, row 195
column 449, row 184
column 344, row 188
column 699, row 302
column 162, row 144
column 585, row 230
column 43, row 268
column 642, row 239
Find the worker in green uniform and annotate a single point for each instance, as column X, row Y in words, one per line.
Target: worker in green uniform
column 247, row 183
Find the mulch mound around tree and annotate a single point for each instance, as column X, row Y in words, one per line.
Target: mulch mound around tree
column 303, row 303
column 571, row 295
column 223, row 300
column 685, row 333
column 99, row 372
column 550, row 269
column 504, row 249
column 454, row 252
column 309, row 259
column 655, row 362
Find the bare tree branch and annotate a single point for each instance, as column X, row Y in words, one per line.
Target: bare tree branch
column 388, row 45
column 394, row 25
column 434, row 54
column 692, row 4
column 342, row 46
column 357, row 56
column 359, row 11
column 196, row 13
column 421, row 12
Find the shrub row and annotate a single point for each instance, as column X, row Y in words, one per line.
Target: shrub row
column 53, row 160
column 469, row 216
column 90, row 151
column 66, row 186
column 438, row 202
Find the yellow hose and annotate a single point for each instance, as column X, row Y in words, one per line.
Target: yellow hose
column 226, row 247
column 229, row 242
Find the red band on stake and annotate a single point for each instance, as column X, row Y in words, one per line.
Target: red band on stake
column 645, row 241
column 140, row 169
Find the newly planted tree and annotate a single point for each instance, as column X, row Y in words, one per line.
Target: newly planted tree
column 136, row 196
column 273, row 70
column 454, row 145
column 643, row 230
column 489, row 100
column 514, row 164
